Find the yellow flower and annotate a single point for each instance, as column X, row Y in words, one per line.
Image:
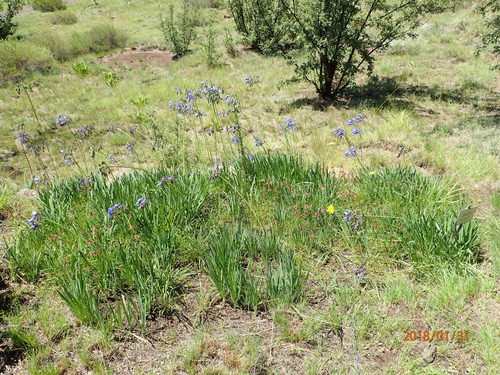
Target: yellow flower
column 330, row 209
column 372, row 173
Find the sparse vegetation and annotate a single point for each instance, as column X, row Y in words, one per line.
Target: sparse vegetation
column 63, row 17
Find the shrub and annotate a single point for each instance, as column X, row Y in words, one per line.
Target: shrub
column 260, row 22
column 63, row 17
column 229, row 44
column 212, row 55
column 8, row 9
column 179, row 28
column 101, row 38
column 48, row 5
column 20, row 58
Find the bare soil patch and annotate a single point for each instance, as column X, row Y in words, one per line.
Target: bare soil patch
column 138, row 58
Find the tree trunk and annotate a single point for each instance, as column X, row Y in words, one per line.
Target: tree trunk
column 328, row 69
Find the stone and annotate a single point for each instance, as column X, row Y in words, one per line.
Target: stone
column 429, row 354
column 27, row 193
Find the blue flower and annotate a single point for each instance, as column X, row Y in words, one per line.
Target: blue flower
column 251, row 156
column 347, row 215
column 235, row 139
column 258, row 142
column 83, row 132
column 68, row 160
column 37, row 180
column 34, row 221
column 356, row 131
column 351, row 152
column 23, row 137
column 111, row 158
column 113, row 208
column 290, row 124
column 165, row 179
column 358, row 118
column 339, row 132
column 141, row 202
column 130, row 147
column 62, row 120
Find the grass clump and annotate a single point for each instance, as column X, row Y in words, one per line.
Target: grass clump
column 63, row 17
column 20, row 58
column 101, row 38
column 48, row 5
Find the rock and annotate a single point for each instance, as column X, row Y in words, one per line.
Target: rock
column 429, row 354
column 27, row 193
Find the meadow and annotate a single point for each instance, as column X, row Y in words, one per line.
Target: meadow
column 205, row 214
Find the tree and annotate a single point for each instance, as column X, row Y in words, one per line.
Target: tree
column 8, row 9
column 329, row 42
column 490, row 9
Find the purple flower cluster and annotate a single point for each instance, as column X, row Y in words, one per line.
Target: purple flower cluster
column 23, row 137
column 339, row 132
column 84, row 183
column 130, row 146
column 168, row 179
column 290, row 124
column 351, row 152
column 358, row 118
column 141, row 202
column 258, row 142
column 112, row 210
column 83, row 132
column 34, row 222
column 360, row 274
column 352, row 219
column 62, row 120
column 252, row 81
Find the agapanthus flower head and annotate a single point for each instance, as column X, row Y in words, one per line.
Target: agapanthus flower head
column 360, row 274
column 113, row 208
column 347, row 215
column 356, row 131
column 130, row 146
column 258, row 142
column 36, row 149
column 34, row 222
column 339, row 132
column 251, row 157
column 62, row 120
column 251, row 81
column 290, row 124
column 163, row 180
column 37, row 180
column 83, row 131
column 141, row 202
column 235, row 139
column 351, row 152
column 68, row 160
column 358, row 118
column 23, row 137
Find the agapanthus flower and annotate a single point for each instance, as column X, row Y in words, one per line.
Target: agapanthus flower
column 356, row 131
column 251, row 81
column 360, row 274
column 165, row 179
column 258, row 142
column 83, row 132
column 68, row 160
column 290, row 124
column 347, row 215
column 62, row 120
column 141, row 202
column 351, row 152
column 37, row 180
column 34, row 221
column 339, row 132
column 358, row 118
column 113, row 208
column 235, row 139
column 251, row 156
column 23, row 137
column 130, row 146
column 36, row 149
